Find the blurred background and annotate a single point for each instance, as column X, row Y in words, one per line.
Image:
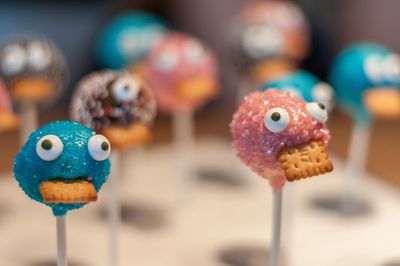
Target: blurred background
column 75, row 27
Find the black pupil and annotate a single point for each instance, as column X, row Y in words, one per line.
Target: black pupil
column 126, row 88
column 46, row 144
column 321, row 105
column 104, row 146
column 276, row 116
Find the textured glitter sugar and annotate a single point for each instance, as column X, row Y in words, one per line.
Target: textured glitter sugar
column 258, row 147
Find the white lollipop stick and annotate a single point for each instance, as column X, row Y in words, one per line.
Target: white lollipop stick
column 276, row 227
column 183, row 142
column 356, row 162
column 61, row 241
column 113, row 209
column 29, row 119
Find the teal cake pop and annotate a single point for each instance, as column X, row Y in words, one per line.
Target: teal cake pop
column 305, row 85
column 63, row 165
column 128, row 38
column 363, row 70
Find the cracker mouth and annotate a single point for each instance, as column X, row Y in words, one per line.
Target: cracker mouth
column 36, row 89
column 8, row 121
column 305, row 160
column 383, row 102
column 198, row 89
column 68, row 191
column 125, row 137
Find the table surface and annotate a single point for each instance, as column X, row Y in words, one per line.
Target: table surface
column 182, row 220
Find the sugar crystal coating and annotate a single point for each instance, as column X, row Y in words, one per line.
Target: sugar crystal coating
column 75, row 161
column 258, row 147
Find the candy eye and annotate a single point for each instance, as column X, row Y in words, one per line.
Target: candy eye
column 14, row 59
column 129, row 43
column 194, row 52
column 293, row 91
column 39, row 56
column 277, row 120
column 167, row 61
column 49, row 147
column 261, row 41
column 391, row 68
column 373, row 68
column 323, row 93
column 99, row 147
column 318, row 111
column 125, row 89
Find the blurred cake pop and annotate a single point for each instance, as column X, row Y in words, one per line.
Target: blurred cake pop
column 118, row 105
column 305, row 85
column 63, row 165
column 33, row 69
column 281, row 137
column 8, row 120
column 269, row 37
column 366, row 78
column 128, row 39
column 182, row 72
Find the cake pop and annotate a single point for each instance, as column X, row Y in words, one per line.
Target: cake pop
column 63, row 165
column 122, row 107
column 8, row 120
column 281, row 137
column 33, row 69
column 128, row 39
column 119, row 105
column 305, row 85
column 268, row 38
column 182, row 72
column 366, row 78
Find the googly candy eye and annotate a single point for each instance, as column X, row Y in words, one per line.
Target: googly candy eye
column 194, row 52
column 323, row 93
column 99, row 148
column 293, row 91
column 391, row 68
column 49, row 147
column 259, row 41
column 125, row 89
column 373, row 68
column 167, row 61
column 318, row 111
column 39, row 55
column 14, row 59
column 277, row 120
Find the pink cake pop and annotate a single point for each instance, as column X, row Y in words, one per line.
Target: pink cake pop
column 8, row 120
column 182, row 72
column 269, row 38
column 281, row 137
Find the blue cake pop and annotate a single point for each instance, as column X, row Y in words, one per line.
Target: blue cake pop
column 63, row 153
column 304, row 85
column 128, row 39
column 361, row 68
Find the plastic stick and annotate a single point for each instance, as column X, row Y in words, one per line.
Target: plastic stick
column 113, row 209
column 276, row 226
column 29, row 119
column 183, row 143
column 356, row 163
column 61, row 241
